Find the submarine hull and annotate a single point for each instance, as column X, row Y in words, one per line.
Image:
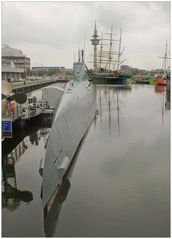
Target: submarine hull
column 68, row 129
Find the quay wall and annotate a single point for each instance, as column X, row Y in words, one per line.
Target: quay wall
column 31, row 86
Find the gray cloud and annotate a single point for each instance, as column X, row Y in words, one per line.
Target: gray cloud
column 50, row 32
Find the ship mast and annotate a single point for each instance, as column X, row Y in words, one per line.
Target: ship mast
column 101, row 49
column 110, row 53
column 119, row 50
column 106, row 56
column 110, row 48
column 165, row 59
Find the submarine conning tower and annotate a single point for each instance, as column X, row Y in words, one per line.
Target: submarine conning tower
column 79, row 68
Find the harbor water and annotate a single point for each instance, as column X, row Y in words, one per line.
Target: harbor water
column 118, row 184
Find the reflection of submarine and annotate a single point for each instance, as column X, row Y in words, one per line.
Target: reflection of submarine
column 74, row 112
column 51, row 216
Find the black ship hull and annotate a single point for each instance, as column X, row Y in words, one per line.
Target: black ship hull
column 114, row 80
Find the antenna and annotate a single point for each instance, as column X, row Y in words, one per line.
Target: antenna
column 84, row 41
column 74, row 53
column 82, row 55
column 79, row 57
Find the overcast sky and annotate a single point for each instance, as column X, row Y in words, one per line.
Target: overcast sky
column 50, row 32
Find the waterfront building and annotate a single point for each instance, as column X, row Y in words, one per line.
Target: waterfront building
column 17, row 57
column 154, row 72
column 125, row 68
column 56, row 71
column 69, row 74
column 10, row 71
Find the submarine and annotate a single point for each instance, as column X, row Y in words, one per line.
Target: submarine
column 74, row 111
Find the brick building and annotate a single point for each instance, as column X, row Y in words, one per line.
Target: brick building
column 58, row 71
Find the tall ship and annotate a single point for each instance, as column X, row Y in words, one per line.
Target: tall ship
column 162, row 79
column 75, row 110
column 107, row 60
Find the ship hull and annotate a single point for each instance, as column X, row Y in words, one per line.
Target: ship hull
column 160, row 80
column 68, row 129
column 112, row 80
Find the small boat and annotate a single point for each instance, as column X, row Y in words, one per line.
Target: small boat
column 162, row 79
column 75, row 110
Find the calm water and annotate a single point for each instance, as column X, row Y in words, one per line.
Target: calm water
column 119, row 183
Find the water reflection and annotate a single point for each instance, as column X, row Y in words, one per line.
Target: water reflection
column 167, row 102
column 13, row 149
column 165, row 91
column 126, row 154
column 51, row 216
column 113, row 97
column 11, row 195
column 160, row 88
column 164, row 97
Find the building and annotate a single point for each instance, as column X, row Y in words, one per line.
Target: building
column 69, row 74
column 125, row 68
column 10, row 72
column 56, row 71
column 17, row 57
column 154, row 72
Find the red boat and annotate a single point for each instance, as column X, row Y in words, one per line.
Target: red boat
column 161, row 80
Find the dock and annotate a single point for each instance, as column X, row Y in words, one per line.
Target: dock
column 28, row 86
column 33, row 107
column 41, row 108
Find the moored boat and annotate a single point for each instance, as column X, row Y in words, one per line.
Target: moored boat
column 73, row 114
column 109, row 78
column 108, row 70
column 161, row 80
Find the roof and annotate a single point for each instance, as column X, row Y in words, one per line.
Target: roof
column 8, row 51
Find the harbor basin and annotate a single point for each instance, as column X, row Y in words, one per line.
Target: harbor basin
column 119, row 181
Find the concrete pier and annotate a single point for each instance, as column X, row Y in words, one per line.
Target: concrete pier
column 33, row 85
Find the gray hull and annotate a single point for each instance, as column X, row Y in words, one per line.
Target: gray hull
column 71, row 121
